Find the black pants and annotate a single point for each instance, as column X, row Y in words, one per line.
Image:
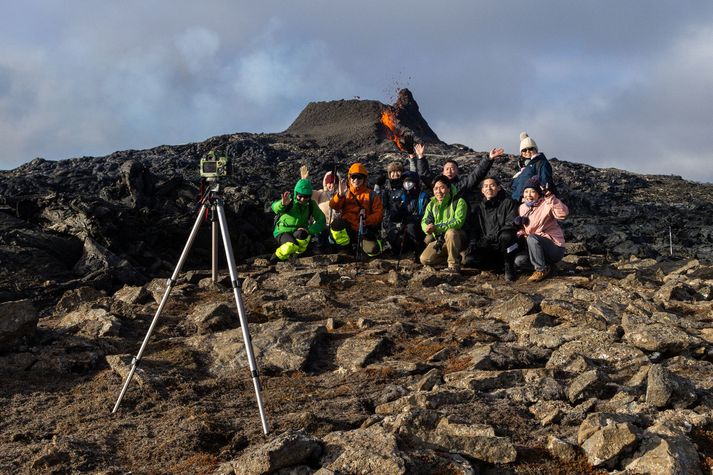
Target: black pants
column 406, row 238
column 493, row 253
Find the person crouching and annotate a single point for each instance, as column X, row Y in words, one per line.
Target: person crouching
column 442, row 222
column 357, row 205
column 539, row 215
column 298, row 219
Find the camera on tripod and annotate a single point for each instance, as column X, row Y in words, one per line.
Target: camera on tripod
column 213, row 166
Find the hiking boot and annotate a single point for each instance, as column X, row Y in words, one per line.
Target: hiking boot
column 453, row 269
column 539, row 275
column 510, row 275
column 274, row 260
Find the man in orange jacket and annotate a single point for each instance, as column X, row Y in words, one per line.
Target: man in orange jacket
column 356, row 200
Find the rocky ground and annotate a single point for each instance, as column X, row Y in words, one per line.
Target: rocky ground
column 366, row 367
column 370, row 369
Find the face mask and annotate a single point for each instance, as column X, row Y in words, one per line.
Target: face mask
column 408, row 185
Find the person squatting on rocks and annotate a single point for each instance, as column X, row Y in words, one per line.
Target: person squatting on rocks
column 322, row 197
column 531, row 163
column 538, row 218
column 403, row 210
column 298, row 218
column 356, row 200
column 443, row 221
column 497, row 237
column 463, row 186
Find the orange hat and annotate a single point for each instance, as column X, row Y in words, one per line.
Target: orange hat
column 359, row 169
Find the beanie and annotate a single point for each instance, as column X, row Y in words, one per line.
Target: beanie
column 526, row 142
column 535, row 184
column 303, row 187
column 395, row 166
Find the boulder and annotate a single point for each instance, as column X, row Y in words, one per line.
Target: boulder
column 666, row 389
column 368, row 450
column 286, row 450
column 18, row 319
column 213, row 317
column 278, row 345
column 607, row 445
column 91, row 322
column 358, row 351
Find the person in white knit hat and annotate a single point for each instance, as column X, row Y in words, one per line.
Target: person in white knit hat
column 531, row 163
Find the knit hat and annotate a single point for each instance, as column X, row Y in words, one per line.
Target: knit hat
column 526, row 142
column 535, row 184
column 303, row 187
column 395, row 166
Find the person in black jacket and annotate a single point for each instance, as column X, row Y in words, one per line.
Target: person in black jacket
column 497, row 237
column 464, row 184
column 403, row 210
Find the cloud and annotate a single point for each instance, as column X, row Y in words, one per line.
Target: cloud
column 606, row 83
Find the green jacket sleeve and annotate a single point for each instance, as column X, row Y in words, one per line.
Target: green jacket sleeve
column 427, row 216
column 319, row 219
column 277, row 207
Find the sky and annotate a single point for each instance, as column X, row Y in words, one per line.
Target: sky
column 611, row 83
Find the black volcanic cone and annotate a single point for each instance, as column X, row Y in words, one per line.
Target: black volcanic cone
column 410, row 119
column 355, row 125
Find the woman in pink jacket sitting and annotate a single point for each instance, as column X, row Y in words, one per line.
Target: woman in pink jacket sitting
column 538, row 219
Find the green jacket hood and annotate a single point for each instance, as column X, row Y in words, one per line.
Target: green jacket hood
column 303, row 187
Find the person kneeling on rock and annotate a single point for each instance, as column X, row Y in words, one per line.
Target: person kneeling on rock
column 298, row 219
column 361, row 212
column 442, row 222
column 539, row 215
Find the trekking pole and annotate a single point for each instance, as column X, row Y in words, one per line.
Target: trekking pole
column 401, row 248
column 360, row 237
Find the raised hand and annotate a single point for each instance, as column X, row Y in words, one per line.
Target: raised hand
column 286, row 198
column 304, row 171
column 496, row 152
column 343, row 186
column 419, row 148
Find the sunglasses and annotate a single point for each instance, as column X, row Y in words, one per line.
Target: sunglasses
column 357, row 176
column 531, row 149
column 303, row 197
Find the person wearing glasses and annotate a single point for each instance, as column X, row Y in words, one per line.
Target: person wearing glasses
column 297, row 219
column 532, row 163
column 357, row 203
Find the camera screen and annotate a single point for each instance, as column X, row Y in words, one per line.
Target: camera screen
column 210, row 167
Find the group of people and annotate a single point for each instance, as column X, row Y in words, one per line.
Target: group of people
column 450, row 227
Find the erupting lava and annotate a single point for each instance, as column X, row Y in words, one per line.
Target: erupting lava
column 388, row 118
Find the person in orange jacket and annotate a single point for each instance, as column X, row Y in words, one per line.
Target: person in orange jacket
column 356, row 203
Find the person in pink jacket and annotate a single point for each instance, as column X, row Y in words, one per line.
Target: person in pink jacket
column 538, row 219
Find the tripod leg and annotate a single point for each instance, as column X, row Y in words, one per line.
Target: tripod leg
column 214, row 247
column 169, row 286
column 241, row 315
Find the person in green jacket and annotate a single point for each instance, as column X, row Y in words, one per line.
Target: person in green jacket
column 298, row 219
column 442, row 222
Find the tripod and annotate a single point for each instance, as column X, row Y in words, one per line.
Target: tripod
column 212, row 200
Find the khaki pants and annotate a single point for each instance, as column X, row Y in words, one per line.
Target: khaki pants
column 451, row 251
